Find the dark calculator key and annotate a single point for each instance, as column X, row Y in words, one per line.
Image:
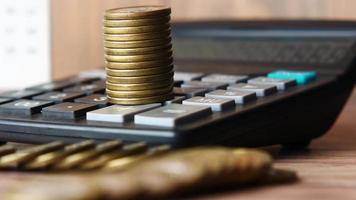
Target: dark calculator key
column 4, row 100
column 207, row 85
column 281, row 84
column 19, row 94
column 189, row 92
column 97, row 99
column 260, row 90
column 178, row 83
column 68, row 110
column 100, row 83
column 87, row 88
column 80, row 80
column 53, row 86
column 59, row 96
column 187, row 76
column 26, row 107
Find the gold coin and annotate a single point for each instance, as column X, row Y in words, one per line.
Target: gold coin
column 143, row 86
column 137, row 22
column 139, row 65
column 138, row 36
column 139, row 58
column 139, row 93
column 137, row 101
column 140, row 79
column 137, row 51
column 137, row 44
column 136, row 29
column 137, row 12
column 139, row 72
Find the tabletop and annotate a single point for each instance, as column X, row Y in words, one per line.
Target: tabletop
column 327, row 169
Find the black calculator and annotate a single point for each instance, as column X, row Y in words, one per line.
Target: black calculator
column 237, row 83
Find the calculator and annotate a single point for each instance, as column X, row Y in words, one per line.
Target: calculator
column 237, row 83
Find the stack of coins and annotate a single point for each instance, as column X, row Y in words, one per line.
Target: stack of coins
column 138, row 54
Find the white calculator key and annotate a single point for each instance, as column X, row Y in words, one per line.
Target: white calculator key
column 172, row 115
column 119, row 113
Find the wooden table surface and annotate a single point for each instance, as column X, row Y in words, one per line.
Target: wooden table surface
column 327, row 170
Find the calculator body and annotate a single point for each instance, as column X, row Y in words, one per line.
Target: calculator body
column 255, row 48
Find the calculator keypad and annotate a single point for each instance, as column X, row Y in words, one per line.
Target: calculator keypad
column 196, row 97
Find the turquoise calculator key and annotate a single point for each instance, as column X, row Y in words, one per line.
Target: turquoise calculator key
column 302, row 77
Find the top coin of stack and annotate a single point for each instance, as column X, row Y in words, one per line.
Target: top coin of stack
column 138, row 54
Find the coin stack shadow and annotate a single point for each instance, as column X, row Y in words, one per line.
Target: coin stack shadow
column 138, row 55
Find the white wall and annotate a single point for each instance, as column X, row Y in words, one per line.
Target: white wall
column 24, row 43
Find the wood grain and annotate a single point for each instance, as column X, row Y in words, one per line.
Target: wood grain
column 77, row 24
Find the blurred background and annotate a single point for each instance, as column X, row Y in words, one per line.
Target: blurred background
column 42, row 40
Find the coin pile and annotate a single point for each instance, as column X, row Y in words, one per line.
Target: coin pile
column 164, row 176
column 138, row 54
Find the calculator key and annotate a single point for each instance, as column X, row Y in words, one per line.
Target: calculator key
column 119, row 113
column 176, row 99
column 178, row 83
column 224, row 78
column 98, row 73
column 97, row 99
column 206, row 85
column 302, row 77
column 4, row 100
column 67, row 110
column 172, row 115
column 26, row 107
column 58, row 96
column 240, row 97
column 76, row 80
column 214, row 103
column 19, row 94
column 187, row 76
column 52, row 86
column 189, row 92
column 87, row 88
column 260, row 90
column 281, row 84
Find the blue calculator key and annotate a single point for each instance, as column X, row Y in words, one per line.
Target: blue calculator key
column 302, row 77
